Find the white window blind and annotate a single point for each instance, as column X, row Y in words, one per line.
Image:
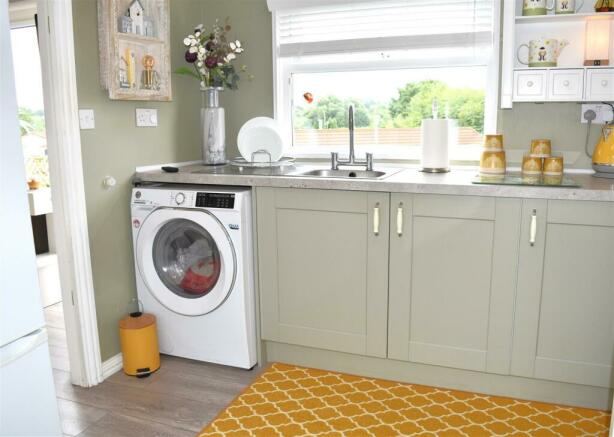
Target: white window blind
column 383, row 25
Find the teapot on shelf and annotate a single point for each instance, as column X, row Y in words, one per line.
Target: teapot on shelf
column 543, row 52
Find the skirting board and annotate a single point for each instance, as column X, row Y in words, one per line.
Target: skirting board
column 111, row 366
column 444, row 377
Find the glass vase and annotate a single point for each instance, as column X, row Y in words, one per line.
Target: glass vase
column 213, row 127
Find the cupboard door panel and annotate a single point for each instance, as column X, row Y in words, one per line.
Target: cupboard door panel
column 564, row 324
column 575, row 341
column 451, row 270
column 450, row 291
column 323, row 270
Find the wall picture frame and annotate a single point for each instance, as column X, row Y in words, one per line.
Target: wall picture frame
column 133, row 40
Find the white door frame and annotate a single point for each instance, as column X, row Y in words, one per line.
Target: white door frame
column 57, row 53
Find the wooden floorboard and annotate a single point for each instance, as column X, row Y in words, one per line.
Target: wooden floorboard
column 177, row 400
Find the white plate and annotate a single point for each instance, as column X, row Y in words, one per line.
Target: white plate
column 260, row 133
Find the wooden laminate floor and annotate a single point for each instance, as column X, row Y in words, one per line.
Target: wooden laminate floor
column 178, row 400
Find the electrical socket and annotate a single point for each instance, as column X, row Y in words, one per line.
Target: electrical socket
column 86, row 119
column 603, row 111
column 146, row 117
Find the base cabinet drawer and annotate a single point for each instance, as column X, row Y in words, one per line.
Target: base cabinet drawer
column 564, row 324
column 565, row 85
column 530, row 85
column 599, row 84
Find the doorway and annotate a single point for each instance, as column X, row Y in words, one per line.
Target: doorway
column 29, row 91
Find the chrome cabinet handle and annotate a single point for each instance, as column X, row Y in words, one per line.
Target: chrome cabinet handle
column 376, row 219
column 533, row 230
column 400, row 219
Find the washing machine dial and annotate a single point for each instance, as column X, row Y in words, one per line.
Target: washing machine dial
column 179, row 198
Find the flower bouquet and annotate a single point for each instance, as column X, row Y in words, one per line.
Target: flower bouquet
column 211, row 55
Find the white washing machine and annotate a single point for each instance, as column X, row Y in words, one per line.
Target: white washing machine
column 194, row 270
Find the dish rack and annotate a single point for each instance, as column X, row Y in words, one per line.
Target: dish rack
column 242, row 162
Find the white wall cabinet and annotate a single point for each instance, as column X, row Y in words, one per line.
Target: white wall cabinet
column 563, row 85
column 570, row 81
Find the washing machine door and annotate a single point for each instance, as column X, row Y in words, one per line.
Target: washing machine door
column 186, row 259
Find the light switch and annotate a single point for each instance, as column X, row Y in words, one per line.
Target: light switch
column 146, row 117
column 86, row 119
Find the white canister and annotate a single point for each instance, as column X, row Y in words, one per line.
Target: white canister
column 437, row 136
column 567, row 6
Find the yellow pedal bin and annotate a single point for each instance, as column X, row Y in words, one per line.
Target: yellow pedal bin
column 139, row 343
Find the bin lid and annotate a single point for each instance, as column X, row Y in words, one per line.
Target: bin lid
column 137, row 321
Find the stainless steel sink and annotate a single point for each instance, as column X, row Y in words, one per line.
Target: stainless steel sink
column 347, row 174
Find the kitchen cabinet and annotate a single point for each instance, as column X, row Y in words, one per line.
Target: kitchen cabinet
column 564, row 328
column 323, row 268
column 600, row 84
column 566, row 85
column 452, row 280
column 530, row 85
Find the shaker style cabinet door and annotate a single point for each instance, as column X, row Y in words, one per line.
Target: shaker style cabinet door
column 564, row 324
column 323, row 268
column 452, row 280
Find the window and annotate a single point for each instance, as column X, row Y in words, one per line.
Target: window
column 391, row 59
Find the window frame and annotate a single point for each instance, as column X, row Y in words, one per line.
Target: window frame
column 285, row 67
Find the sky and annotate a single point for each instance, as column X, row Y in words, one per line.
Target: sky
column 26, row 62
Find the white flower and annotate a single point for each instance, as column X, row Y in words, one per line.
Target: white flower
column 239, row 50
column 196, row 34
column 238, row 43
column 231, row 56
column 199, row 64
column 233, row 46
column 186, row 41
column 191, row 36
column 192, row 49
column 200, row 28
column 203, row 71
column 202, row 84
column 201, row 49
column 194, row 42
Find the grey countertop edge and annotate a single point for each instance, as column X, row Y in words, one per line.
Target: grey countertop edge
column 406, row 181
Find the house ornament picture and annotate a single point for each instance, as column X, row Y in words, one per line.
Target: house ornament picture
column 133, row 40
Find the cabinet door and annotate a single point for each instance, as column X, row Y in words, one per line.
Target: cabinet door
column 564, row 326
column 599, row 84
column 323, row 268
column 452, row 280
column 566, row 85
column 530, row 85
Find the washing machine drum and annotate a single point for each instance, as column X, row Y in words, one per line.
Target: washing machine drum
column 186, row 259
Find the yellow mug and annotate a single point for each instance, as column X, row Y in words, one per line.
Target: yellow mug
column 532, row 165
column 492, row 162
column 553, row 166
column 541, row 148
column 493, row 142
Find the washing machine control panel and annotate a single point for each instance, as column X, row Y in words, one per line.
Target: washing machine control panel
column 215, row 200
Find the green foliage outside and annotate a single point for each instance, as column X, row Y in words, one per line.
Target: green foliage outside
column 408, row 110
column 31, row 122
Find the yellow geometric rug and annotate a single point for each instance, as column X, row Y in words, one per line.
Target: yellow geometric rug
column 296, row 401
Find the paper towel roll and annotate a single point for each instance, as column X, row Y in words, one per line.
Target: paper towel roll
column 436, row 138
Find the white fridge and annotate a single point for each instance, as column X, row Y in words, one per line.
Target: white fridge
column 28, row 405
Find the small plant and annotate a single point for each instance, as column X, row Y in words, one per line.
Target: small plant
column 211, row 55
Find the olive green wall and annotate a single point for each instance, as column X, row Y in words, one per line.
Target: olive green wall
column 116, row 146
column 558, row 121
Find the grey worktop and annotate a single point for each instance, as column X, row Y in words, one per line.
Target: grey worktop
column 406, row 180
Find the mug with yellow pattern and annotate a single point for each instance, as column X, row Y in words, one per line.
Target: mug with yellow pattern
column 541, row 148
column 553, row 166
column 493, row 162
column 532, row 165
column 493, row 142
